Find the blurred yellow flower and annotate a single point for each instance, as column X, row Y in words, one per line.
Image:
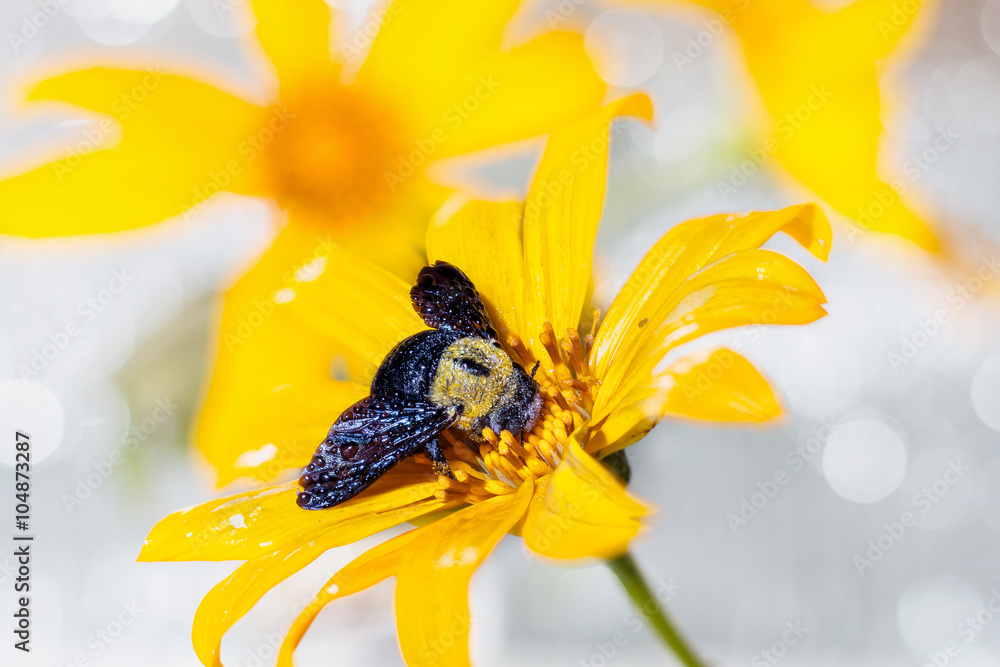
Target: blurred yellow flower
column 344, row 154
column 817, row 72
column 602, row 391
column 332, row 147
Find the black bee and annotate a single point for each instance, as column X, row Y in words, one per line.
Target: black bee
column 454, row 375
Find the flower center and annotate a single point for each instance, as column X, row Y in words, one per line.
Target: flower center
column 504, row 461
column 334, row 150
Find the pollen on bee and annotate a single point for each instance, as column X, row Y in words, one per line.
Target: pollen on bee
column 499, row 463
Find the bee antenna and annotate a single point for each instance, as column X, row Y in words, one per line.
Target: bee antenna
column 535, row 369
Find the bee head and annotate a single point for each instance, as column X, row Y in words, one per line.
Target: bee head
column 486, row 386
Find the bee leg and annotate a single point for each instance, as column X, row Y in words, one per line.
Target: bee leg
column 441, row 467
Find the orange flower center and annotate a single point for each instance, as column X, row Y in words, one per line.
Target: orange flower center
column 503, row 462
column 335, row 150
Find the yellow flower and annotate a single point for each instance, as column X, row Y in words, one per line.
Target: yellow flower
column 817, row 72
column 335, row 148
column 344, row 155
column 602, row 389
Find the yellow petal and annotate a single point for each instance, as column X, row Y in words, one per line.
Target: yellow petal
column 262, row 348
column 283, row 431
column 392, row 238
column 426, row 49
column 295, row 37
column 581, row 510
column 746, row 287
column 368, row 569
column 433, row 565
column 233, row 597
column 522, row 93
column 164, row 144
column 880, row 23
column 356, row 304
column 473, row 238
column 560, row 220
column 432, row 584
column 720, row 386
column 817, row 72
column 686, row 249
column 251, row 524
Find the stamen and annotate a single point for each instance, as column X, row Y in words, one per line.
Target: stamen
column 521, row 352
column 548, row 340
column 588, row 340
column 572, row 347
column 499, row 463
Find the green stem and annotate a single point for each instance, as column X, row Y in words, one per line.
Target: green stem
column 648, row 605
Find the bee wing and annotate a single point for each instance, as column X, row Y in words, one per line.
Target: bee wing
column 370, row 437
column 445, row 298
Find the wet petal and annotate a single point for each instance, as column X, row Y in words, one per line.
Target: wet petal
column 233, row 597
column 719, row 386
column 284, row 430
column 249, row 525
column 271, row 337
column 432, row 584
column 484, row 240
column 368, row 569
column 747, row 287
column 355, row 303
column 433, row 565
column 560, row 220
column 263, row 348
column 688, row 248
